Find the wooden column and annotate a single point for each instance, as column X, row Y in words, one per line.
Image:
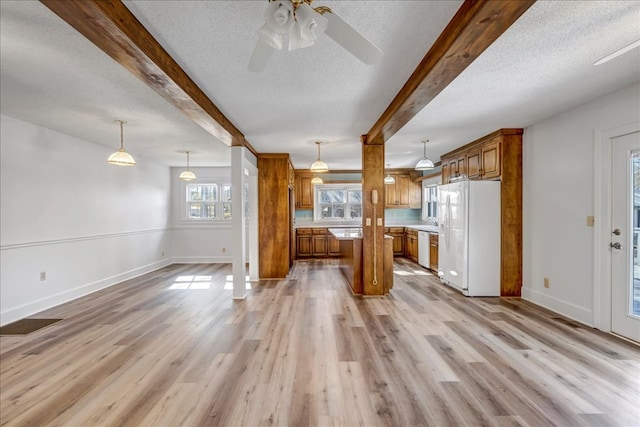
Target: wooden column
column 273, row 220
column 511, row 213
column 373, row 234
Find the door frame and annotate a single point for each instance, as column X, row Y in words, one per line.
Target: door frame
column 602, row 233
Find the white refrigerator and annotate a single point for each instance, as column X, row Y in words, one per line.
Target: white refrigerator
column 469, row 240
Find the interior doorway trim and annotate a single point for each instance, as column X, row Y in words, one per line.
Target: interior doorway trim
column 602, row 233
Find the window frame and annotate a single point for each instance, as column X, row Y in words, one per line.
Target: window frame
column 218, row 204
column 429, row 203
column 347, row 187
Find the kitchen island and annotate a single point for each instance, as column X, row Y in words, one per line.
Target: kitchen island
column 351, row 261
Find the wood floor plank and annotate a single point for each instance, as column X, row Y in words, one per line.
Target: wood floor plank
column 171, row 348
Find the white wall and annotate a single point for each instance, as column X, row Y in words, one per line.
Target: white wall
column 558, row 195
column 66, row 212
column 198, row 242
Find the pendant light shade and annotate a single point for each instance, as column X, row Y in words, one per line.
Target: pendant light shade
column 424, row 164
column 187, row 175
column 319, row 165
column 316, row 180
column 121, row 157
column 389, row 179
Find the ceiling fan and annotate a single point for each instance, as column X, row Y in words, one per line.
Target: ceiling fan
column 302, row 24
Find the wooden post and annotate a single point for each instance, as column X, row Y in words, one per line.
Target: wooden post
column 372, row 217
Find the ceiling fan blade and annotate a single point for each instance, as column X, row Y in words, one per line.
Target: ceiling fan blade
column 260, row 56
column 350, row 39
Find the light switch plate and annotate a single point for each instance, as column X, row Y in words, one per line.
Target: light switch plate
column 590, row 220
column 368, row 222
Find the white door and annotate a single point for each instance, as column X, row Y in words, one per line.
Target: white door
column 625, row 220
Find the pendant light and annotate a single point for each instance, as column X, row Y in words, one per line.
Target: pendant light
column 121, row 157
column 319, row 165
column 187, row 175
column 424, row 164
column 316, row 180
column 389, row 179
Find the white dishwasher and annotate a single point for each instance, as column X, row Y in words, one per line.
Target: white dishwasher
column 423, row 248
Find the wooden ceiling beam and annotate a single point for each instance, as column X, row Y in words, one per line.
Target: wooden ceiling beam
column 115, row 30
column 476, row 25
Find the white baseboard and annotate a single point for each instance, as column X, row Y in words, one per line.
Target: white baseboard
column 26, row 310
column 564, row 308
column 201, row 259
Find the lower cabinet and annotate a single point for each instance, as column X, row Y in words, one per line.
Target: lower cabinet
column 319, row 245
column 398, row 239
column 303, row 242
column 411, row 244
column 433, row 252
column 334, row 245
column 316, row 242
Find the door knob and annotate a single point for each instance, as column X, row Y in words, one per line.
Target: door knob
column 615, row 245
column 616, row 231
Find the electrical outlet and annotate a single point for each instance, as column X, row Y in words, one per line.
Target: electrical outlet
column 590, row 220
column 379, row 222
column 43, row 276
column 368, row 222
column 546, row 282
column 224, row 250
column 162, row 253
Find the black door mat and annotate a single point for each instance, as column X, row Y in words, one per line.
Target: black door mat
column 26, row 326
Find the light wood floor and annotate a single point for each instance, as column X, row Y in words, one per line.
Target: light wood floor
column 303, row 351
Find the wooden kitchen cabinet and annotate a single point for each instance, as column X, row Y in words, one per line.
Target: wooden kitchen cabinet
column 303, row 242
column 398, row 239
column 433, row 251
column 411, row 244
column 334, row 245
column 490, row 155
column 479, row 160
column 316, row 243
column 319, row 242
column 405, row 193
column 304, row 191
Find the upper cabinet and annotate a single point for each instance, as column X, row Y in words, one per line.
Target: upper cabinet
column 406, row 193
column 304, row 190
column 481, row 159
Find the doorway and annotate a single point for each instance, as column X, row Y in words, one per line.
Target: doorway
column 617, row 202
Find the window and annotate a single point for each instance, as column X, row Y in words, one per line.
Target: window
column 338, row 202
column 430, row 204
column 208, row 201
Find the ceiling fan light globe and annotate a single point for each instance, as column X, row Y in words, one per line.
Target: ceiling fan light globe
column 389, row 179
column 272, row 38
column 279, row 16
column 311, row 23
column 424, row 164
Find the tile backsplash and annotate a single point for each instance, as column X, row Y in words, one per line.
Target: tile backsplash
column 306, row 215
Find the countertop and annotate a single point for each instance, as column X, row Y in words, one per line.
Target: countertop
column 348, row 233
column 339, row 225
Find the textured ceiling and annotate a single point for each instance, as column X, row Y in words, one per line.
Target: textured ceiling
column 53, row 76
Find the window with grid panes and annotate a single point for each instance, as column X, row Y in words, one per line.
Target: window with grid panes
column 338, row 202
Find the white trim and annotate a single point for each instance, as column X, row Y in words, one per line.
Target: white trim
column 572, row 311
column 226, row 225
column 81, row 238
column 602, row 233
column 201, row 260
column 49, row 302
